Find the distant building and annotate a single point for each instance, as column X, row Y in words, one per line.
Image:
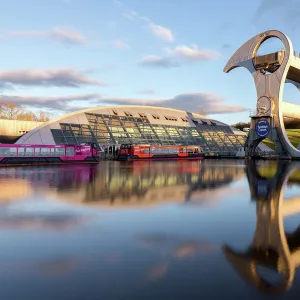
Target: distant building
column 12, row 130
column 112, row 126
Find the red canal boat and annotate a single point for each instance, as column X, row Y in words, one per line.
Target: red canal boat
column 27, row 154
column 138, row 152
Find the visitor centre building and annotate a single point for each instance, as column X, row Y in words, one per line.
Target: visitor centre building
column 113, row 126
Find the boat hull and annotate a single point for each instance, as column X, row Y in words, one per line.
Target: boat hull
column 33, row 161
column 159, row 157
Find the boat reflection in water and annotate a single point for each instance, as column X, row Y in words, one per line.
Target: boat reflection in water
column 143, row 183
column 271, row 260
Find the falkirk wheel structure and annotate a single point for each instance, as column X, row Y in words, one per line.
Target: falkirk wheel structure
column 272, row 248
column 270, row 72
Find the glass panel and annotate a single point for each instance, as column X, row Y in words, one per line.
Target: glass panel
column 71, row 141
column 59, row 140
column 68, row 133
column 57, row 152
column 8, row 151
column 70, row 151
column 56, row 133
column 26, row 152
column 42, row 151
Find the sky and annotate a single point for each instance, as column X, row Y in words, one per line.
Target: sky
column 64, row 55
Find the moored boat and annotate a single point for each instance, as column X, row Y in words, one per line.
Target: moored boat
column 151, row 152
column 28, row 154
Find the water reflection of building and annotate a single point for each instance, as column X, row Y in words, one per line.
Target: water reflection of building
column 272, row 249
column 131, row 184
column 149, row 183
column 14, row 189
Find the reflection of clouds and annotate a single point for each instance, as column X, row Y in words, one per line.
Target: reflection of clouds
column 188, row 249
column 158, row 271
column 176, row 247
column 154, row 239
column 50, row 222
column 172, row 248
column 57, row 266
column 213, row 197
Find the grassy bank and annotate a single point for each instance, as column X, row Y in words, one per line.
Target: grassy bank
column 293, row 135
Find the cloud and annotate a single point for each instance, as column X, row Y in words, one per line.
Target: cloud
column 63, row 103
column 64, row 35
column 195, row 54
column 120, row 44
column 161, row 32
column 157, row 61
column 147, row 91
column 158, row 271
column 130, row 15
column 178, row 56
column 45, row 78
column 209, row 102
column 194, row 102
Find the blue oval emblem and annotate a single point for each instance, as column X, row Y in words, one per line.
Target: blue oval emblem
column 262, row 128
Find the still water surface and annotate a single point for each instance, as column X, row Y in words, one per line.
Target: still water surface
column 150, row 230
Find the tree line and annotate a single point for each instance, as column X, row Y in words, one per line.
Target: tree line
column 11, row 111
column 288, row 124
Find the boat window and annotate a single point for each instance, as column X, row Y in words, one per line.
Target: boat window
column 115, row 112
column 184, row 120
column 156, row 117
column 8, row 151
column 26, row 152
column 57, row 152
column 12, row 152
column 70, row 151
column 42, row 151
column 125, row 146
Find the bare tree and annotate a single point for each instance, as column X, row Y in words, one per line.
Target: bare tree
column 27, row 116
column 43, row 117
column 202, row 112
column 10, row 111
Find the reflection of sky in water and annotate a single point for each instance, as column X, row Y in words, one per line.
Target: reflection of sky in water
column 64, row 240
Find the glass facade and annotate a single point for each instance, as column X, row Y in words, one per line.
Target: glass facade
column 114, row 130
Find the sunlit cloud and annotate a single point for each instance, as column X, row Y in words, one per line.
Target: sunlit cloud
column 61, row 34
column 211, row 103
column 46, row 78
column 178, row 56
column 157, row 61
column 162, row 32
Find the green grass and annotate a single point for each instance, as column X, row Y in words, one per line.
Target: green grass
column 293, row 135
column 269, row 171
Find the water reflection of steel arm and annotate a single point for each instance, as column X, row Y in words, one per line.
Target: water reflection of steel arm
column 271, row 246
